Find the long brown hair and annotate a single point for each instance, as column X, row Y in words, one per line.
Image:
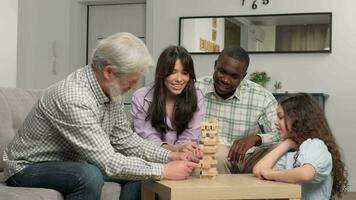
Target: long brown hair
column 186, row 101
column 308, row 121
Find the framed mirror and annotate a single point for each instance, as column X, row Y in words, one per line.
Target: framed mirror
column 280, row 33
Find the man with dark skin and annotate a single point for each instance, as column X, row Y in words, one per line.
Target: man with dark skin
column 245, row 111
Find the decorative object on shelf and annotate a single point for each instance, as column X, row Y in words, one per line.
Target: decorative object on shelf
column 260, row 78
column 277, row 85
column 254, row 5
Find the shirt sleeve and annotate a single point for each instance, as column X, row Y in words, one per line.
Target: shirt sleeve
column 125, row 140
column 192, row 134
column 142, row 126
column 315, row 152
column 77, row 122
column 267, row 120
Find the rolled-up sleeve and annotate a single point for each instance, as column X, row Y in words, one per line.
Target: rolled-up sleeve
column 267, row 120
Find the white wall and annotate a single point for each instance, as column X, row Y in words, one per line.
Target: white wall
column 8, row 41
column 43, row 49
column 194, row 30
column 329, row 73
column 43, row 23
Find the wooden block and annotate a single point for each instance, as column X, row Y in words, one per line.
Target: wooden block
column 208, row 157
column 212, row 172
column 212, row 162
column 209, row 149
column 210, row 142
column 208, row 163
column 209, row 134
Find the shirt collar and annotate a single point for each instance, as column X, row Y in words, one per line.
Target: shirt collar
column 236, row 94
column 94, row 85
column 149, row 94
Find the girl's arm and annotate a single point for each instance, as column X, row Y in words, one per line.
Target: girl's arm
column 268, row 161
column 301, row 174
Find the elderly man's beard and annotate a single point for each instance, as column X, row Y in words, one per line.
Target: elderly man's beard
column 115, row 92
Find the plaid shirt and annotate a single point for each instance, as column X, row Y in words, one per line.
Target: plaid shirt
column 250, row 109
column 75, row 121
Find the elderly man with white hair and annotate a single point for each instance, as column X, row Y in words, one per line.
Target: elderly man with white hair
column 77, row 134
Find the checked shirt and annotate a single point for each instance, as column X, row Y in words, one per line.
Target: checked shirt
column 75, row 121
column 249, row 110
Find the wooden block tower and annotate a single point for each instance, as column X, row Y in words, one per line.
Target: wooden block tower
column 209, row 133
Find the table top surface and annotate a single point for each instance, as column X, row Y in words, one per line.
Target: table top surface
column 226, row 180
column 224, row 186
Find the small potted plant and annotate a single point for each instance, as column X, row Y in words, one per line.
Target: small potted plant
column 260, row 78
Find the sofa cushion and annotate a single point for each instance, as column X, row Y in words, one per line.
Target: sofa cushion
column 110, row 191
column 18, row 193
column 15, row 104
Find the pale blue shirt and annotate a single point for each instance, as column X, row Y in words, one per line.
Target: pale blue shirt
column 314, row 152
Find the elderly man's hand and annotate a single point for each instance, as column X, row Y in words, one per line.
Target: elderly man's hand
column 178, row 170
column 240, row 146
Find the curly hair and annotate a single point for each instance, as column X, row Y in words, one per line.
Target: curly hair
column 186, row 102
column 307, row 120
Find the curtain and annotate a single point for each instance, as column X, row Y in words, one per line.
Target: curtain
column 302, row 37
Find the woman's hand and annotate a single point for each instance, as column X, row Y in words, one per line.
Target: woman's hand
column 190, row 148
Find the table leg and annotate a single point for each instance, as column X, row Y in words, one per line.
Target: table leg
column 147, row 194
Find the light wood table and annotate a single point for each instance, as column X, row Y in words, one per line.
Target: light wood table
column 234, row 186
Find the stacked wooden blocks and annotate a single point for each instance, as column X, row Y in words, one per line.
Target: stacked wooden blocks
column 209, row 134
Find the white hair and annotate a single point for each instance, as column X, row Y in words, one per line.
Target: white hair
column 124, row 51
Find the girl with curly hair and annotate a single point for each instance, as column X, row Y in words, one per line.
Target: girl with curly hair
column 308, row 153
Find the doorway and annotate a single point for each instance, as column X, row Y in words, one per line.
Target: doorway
column 107, row 19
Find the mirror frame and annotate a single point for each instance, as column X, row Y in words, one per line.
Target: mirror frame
column 263, row 15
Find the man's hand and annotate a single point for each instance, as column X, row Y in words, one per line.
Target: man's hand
column 240, row 146
column 182, row 156
column 190, row 148
column 178, row 170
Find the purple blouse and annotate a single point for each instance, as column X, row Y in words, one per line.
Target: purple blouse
column 141, row 101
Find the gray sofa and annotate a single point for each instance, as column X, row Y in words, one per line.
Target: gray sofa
column 14, row 105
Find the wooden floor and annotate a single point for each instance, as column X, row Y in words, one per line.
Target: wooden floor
column 349, row 196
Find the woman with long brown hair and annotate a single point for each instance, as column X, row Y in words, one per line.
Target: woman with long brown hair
column 169, row 111
column 308, row 153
